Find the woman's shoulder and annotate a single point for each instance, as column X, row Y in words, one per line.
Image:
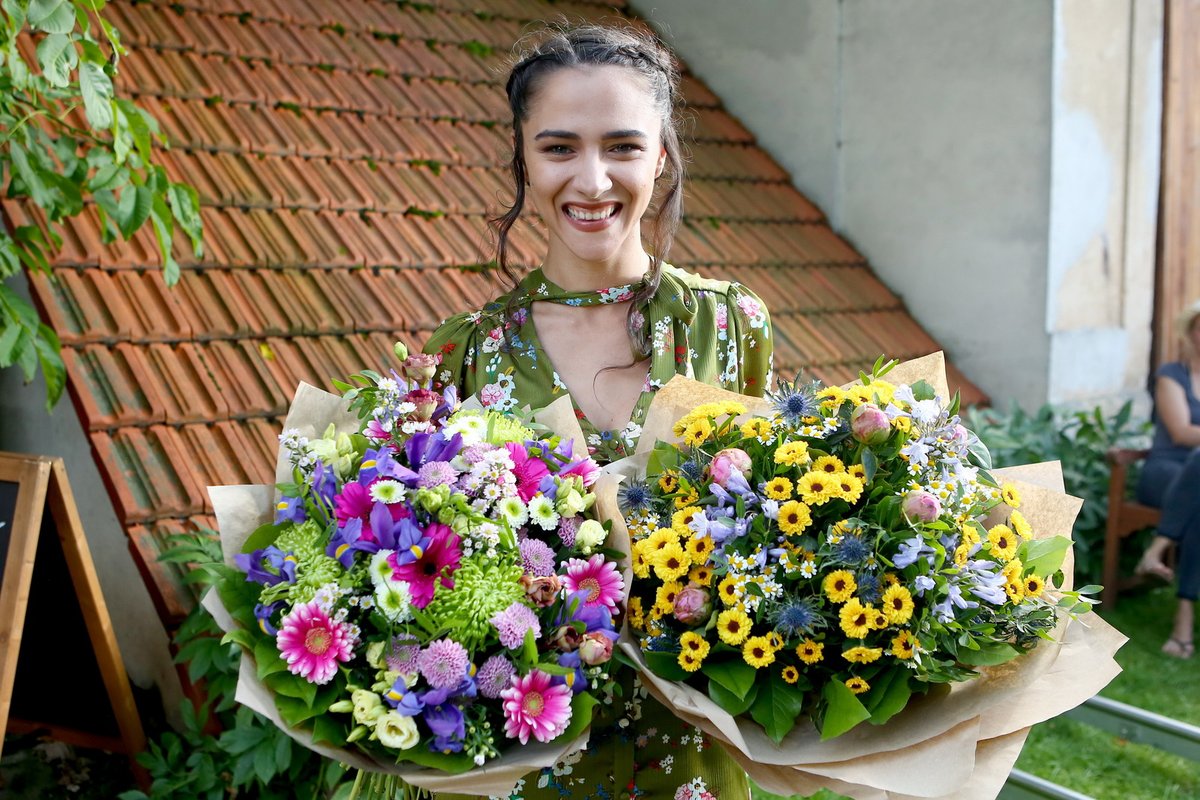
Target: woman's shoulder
column 715, row 291
column 1174, row 370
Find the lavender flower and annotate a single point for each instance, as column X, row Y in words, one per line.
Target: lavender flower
column 513, row 623
column 443, row 663
column 494, row 676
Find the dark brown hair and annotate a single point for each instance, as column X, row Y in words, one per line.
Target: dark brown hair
column 600, row 45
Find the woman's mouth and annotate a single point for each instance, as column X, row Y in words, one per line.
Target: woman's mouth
column 591, row 217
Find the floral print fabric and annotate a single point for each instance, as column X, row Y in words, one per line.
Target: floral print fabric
column 714, row 331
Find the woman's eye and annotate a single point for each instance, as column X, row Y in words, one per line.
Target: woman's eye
column 628, row 147
column 557, row 149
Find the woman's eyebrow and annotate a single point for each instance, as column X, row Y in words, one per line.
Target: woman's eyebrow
column 630, row 133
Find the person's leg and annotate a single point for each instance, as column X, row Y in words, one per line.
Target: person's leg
column 1171, row 486
column 1182, row 643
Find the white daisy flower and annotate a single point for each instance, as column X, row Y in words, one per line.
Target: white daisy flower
column 387, row 491
column 515, row 511
column 542, row 513
column 394, row 601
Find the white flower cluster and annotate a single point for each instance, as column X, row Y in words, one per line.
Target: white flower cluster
column 297, row 449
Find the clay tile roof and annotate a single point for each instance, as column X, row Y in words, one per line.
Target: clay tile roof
column 346, row 165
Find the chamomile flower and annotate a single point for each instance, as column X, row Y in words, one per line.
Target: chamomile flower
column 542, row 513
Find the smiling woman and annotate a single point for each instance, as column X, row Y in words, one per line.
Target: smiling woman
column 595, row 152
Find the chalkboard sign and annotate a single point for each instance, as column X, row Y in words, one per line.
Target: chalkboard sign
column 40, row 553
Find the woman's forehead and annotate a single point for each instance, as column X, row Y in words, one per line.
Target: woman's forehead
column 594, row 94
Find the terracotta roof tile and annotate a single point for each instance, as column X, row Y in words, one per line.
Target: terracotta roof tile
column 346, row 165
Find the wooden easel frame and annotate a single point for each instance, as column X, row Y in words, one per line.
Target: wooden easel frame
column 43, row 481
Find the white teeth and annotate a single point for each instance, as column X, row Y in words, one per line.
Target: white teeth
column 587, row 216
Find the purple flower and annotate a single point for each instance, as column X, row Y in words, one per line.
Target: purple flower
column 443, row 663
column 513, row 623
column 910, row 551
column 494, row 676
column 267, row 566
column 379, row 464
column 537, row 558
column 324, row 487
column 263, row 615
column 567, row 528
column 348, row 540
column 406, row 702
column 402, row 657
column 425, row 447
column 445, row 721
column 290, row 509
column 436, row 473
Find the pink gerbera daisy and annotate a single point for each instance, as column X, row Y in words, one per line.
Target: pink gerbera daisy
column 440, row 560
column 354, row 502
column 313, row 644
column 597, row 577
column 529, row 471
column 533, row 704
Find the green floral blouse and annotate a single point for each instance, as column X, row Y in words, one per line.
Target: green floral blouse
column 714, row 331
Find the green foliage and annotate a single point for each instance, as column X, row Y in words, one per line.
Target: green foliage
column 64, row 161
column 243, row 754
column 1079, row 439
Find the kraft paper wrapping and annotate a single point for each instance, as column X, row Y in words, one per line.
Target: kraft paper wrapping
column 240, row 510
column 956, row 741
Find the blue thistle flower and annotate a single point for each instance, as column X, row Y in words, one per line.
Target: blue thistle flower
column 851, row 549
column 692, row 470
column 795, row 617
column 870, row 588
column 795, row 400
column 634, row 496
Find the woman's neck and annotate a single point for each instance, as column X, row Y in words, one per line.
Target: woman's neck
column 576, row 275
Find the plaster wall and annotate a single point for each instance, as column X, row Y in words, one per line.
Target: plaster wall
column 995, row 162
column 26, row 427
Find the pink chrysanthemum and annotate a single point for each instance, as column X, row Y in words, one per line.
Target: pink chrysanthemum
column 436, row 473
column 567, row 528
column 402, row 657
column 513, row 622
column 599, row 578
column 529, row 471
column 537, row 558
column 439, row 561
column 313, row 644
column 443, row 663
column 494, row 676
column 535, row 705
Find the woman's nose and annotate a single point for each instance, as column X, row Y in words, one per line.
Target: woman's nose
column 592, row 178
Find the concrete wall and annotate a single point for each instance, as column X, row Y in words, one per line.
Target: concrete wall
column 996, row 163
column 26, row 427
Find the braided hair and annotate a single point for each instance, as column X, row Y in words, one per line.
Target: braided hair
column 598, row 45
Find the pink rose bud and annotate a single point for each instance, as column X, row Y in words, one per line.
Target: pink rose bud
column 596, row 648
column 692, row 605
column 869, row 424
column 921, row 506
column 960, row 434
column 541, row 591
column 566, row 638
column 419, row 367
column 727, row 462
column 426, row 402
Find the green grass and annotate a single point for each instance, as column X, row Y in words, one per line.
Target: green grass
column 1097, row 763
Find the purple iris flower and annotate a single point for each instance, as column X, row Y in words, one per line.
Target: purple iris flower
column 425, row 447
column 407, row 703
column 549, row 488
column 324, row 487
column 910, row 551
column 447, row 406
column 263, row 615
column 445, row 721
column 401, row 535
column 268, row 566
column 378, row 464
column 573, row 661
column 290, row 509
column 348, row 540
column 594, row 618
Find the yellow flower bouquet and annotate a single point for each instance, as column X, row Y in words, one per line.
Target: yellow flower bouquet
column 818, row 576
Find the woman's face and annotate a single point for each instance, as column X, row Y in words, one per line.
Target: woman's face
column 593, row 148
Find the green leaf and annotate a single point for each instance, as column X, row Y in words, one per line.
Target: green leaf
column 843, row 710
column 185, row 207
column 989, row 654
column 889, row 695
column 870, row 464
column 97, row 90
column 52, row 16
column 665, row 665
column 108, row 178
column 49, row 357
column 327, row 729
column 264, row 536
column 164, row 233
column 30, row 175
column 777, row 707
column 736, row 676
column 267, row 659
column 922, row 390
column 133, row 209
column 57, row 56
column 730, row 702
column 1045, row 556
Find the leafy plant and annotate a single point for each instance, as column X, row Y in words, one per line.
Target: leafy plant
column 1079, row 439
column 66, row 162
column 224, row 750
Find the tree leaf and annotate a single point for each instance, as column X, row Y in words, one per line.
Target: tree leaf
column 185, row 207
column 52, row 16
column 57, row 56
column 133, row 209
column 97, row 90
column 777, row 707
column 843, row 710
column 164, row 232
column 30, row 175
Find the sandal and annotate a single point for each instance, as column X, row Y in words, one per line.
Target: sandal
column 1177, row 648
column 1155, row 569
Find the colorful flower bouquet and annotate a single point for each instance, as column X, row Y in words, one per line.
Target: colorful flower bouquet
column 432, row 589
column 834, row 559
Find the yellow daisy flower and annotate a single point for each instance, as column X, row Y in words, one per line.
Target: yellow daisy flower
column 637, row 617
column 857, row 685
column 849, row 487
column 970, row 535
column 858, row 471
column 733, row 626
column 855, row 619
column 641, row 560
column 688, row 498
column 1034, row 586
column 664, row 597
column 830, row 465
column 689, row 661
column 757, row 652
column 778, row 489
column 902, row 424
column 681, row 518
column 904, row 646
column 832, row 397
column 839, row 585
column 775, row 640
column 659, row 539
column 699, row 548
column 694, row 643
column 1020, row 524
column 701, row 576
column 670, row 562
column 794, row 517
column 816, row 487
column 1003, row 542
column 897, row 604
column 730, row 590
column 756, row 428
column 668, row 482
column 810, row 652
column 1015, row 591
column 878, row 619
column 862, row 655
column 961, row 554
column 790, row 674
column 792, row 454
column 697, row 432
column 1010, row 496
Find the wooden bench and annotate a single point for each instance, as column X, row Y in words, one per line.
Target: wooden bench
column 1125, row 517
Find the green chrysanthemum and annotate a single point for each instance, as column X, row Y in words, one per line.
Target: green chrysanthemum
column 491, row 426
column 481, row 590
column 314, row 569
